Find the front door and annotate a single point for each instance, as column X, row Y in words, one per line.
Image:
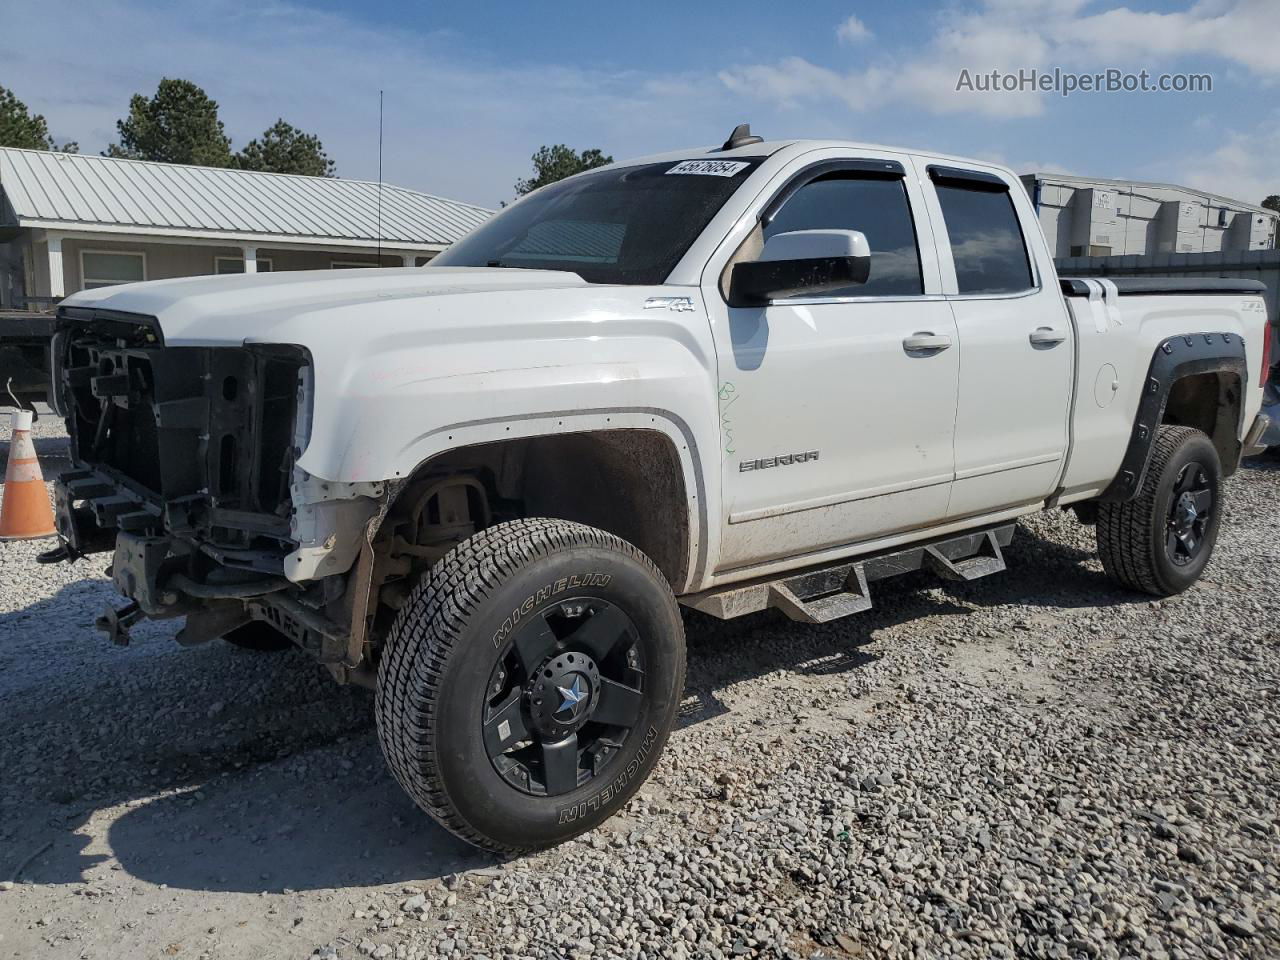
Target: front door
column 837, row 413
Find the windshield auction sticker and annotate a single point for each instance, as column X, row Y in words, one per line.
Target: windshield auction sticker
column 710, row 168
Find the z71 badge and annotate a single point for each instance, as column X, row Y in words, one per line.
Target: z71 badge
column 782, row 460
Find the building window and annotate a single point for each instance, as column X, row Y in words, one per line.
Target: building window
column 102, row 268
column 223, row 265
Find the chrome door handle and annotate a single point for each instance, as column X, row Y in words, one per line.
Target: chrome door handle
column 925, row 341
column 1046, row 336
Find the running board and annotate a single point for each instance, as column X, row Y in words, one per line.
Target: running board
column 824, row 593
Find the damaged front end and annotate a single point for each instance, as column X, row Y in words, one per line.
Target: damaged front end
column 184, row 466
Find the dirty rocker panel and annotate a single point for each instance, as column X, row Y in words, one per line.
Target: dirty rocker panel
column 825, row 592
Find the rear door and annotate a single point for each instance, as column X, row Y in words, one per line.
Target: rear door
column 1016, row 344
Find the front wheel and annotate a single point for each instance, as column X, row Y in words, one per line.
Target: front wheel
column 530, row 682
column 1160, row 541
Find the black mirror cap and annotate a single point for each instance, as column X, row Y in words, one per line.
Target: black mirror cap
column 755, row 283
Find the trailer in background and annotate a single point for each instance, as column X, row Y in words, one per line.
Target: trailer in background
column 24, row 357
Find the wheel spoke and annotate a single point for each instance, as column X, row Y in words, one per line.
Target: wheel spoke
column 1171, row 544
column 506, row 726
column 1190, row 542
column 534, row 644
column 1203, row 500
column 1185, row 479
column 560, row 764
column 619, row 705
column 600, row 632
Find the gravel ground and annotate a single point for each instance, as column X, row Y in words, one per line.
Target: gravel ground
column 1036, row 765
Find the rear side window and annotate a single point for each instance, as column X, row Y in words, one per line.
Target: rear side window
column 877, row 207
column 986, row 240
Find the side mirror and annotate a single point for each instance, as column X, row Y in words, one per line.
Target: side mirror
column 801, row 263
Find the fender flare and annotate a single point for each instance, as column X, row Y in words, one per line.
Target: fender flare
column 1175, row 358
column 551, row 423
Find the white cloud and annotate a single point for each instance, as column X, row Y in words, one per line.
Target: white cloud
column 1243, row 166
column 458, row 123
column 1014, row 35
column 852, row 30
column 1241, row 32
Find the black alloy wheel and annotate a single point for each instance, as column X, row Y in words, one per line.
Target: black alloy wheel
column 1160, row 541
column 564, row 697
column 530, row 681
column 1190, row 512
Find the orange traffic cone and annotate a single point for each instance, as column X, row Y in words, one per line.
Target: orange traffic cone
column 25, row 513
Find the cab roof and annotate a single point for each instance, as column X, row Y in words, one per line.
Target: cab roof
column 768, row 148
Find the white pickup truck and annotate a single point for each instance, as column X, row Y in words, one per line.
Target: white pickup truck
column 761, row 375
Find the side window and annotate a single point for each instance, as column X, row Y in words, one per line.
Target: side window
column 877, row 207
column 986, row 240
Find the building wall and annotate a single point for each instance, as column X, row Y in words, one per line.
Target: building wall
column 167, row 260
column 1080, row 218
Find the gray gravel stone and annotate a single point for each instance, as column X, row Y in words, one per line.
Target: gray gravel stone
column 1033, row 765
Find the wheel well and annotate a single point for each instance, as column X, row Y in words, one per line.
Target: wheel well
column 1209, row 402
column 626, row 482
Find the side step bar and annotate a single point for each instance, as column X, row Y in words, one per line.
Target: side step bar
column 825, row 593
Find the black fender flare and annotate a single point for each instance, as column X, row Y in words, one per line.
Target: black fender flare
column 1176, row 357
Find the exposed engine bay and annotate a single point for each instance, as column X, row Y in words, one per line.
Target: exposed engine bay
column 183, row 466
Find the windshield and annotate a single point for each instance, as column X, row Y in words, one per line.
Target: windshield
column 626, row 225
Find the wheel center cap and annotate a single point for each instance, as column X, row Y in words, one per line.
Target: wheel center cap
column 575, row 697
column 563, row 695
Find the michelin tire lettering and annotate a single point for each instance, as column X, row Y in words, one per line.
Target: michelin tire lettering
column 616, row 786
column 535, row 600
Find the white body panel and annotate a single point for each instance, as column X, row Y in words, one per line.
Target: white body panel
column 1011, row 424
column 1116, row 340
column 830, row 376
column 409, row 363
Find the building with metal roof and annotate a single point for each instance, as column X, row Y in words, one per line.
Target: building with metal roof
column 72, row 221
column 1085, row 217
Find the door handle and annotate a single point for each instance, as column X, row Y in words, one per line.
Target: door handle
column 925, row 342
column 1046, row 336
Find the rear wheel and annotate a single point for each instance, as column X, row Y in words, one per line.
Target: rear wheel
column 1161, row 541
column 528, row 685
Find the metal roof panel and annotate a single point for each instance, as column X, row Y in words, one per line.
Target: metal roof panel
column 94, row 190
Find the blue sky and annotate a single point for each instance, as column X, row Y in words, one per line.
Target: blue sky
column 472, row 89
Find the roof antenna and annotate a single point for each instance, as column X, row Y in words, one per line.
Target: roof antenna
column 379, row 178
column 740, row 137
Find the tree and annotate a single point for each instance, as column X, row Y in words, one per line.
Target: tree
column 178, row 125
column 21, row 128
column 1272, row 202
column 555, row 163
column 285, row 149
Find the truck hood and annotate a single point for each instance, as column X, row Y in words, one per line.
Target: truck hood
column 259, row 308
